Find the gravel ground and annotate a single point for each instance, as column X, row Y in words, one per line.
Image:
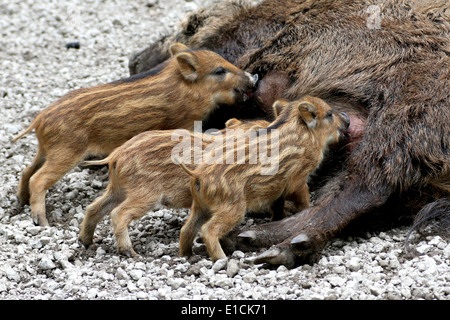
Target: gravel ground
column 45, row 263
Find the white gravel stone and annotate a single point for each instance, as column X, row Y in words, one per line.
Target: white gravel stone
column 176, row 283
column 354, row 264
column 11, row 274
column 232, row 268
column 46, row 263
column 336, row 281
column 249, row 277
column 446, row 251
column 219, row 265
column 222, row 281
column 141, row 295
column 92, row 293
column 136, row 274
column 33, row 230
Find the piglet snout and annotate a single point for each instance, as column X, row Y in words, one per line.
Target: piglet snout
column 255, row 78
column 346, row 119
column 252, row 79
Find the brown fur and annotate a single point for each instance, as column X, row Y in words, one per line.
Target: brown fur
column 94, row 121
column 222, row 193
column 234, row 123
column 392, row 79
column 143, row 177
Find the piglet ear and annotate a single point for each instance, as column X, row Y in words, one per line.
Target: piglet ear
column 308, row 112
column 278, row 106
column 177, row 48
column 188, row 65
column 232, row 122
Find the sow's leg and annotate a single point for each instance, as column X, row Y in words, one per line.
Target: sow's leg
column 301, row 236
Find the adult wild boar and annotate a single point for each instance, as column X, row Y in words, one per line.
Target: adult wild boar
column 383, row 62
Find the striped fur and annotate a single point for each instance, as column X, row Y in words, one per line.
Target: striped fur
column 222, row 193
column 95, row 121
column 143, row 178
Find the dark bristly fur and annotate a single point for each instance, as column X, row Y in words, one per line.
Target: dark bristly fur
column 392, row 80
column 95, row 121
column 437, row 211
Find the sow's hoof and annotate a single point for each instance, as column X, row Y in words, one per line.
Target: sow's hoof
column 291, row 253
column 290, row 241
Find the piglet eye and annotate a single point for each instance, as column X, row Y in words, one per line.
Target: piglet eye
column 220, row 71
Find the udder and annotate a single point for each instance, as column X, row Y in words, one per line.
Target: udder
column 355, row 130
column 274, row 86
column 271, row 87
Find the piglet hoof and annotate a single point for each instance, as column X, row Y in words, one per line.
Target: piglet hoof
column 85, row 243
column 129, row 253
column 40, row 221
column 276, row 256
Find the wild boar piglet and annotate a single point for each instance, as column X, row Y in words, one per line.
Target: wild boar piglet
column 222, row 192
